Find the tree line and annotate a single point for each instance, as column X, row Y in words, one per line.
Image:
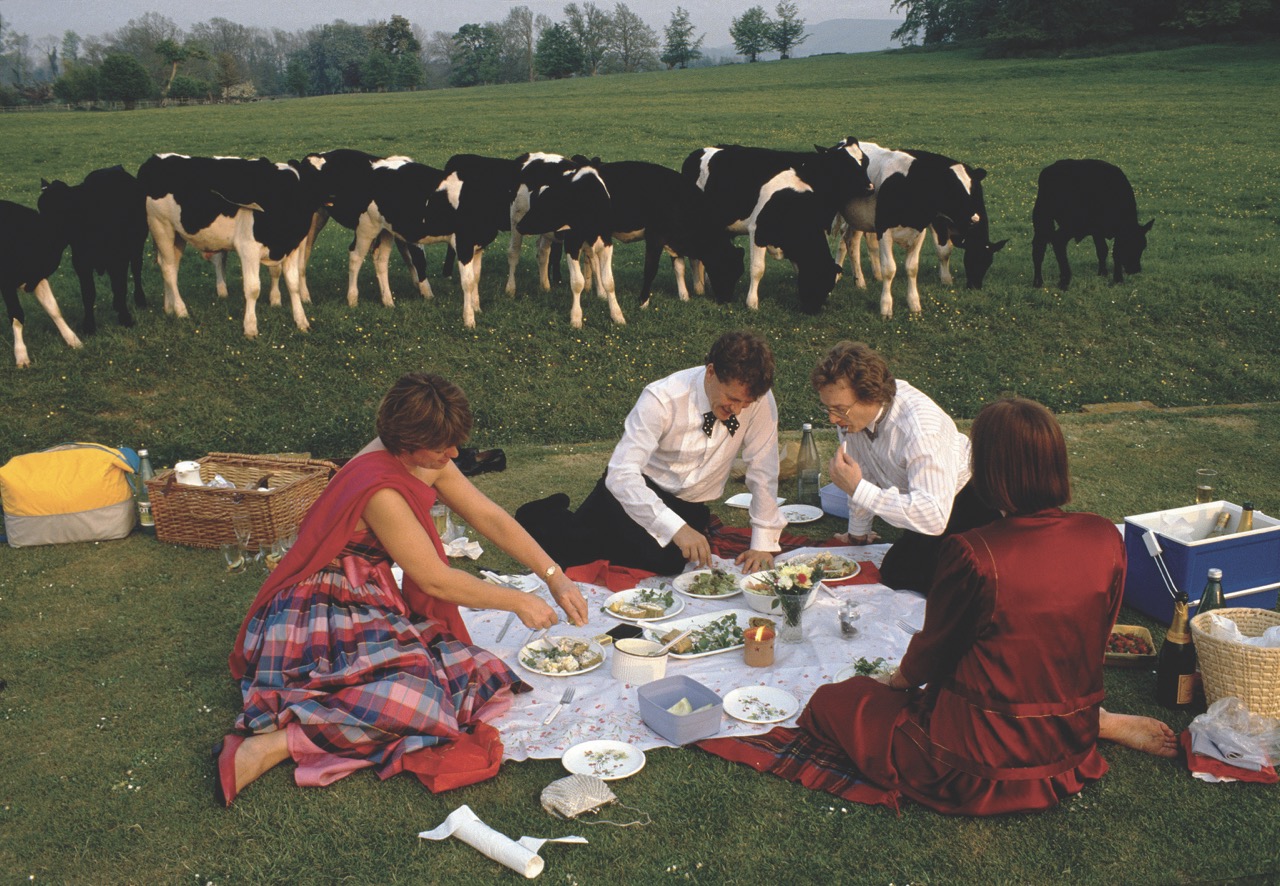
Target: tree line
column 1023, row 26
column 151, row 58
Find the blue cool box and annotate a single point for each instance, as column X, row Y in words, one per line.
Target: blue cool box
column 1250, row 562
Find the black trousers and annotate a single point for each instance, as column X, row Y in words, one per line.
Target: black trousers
column 910, row 563
column 601, row 530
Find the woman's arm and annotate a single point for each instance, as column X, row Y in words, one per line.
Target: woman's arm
column 495, row 524
column 405, row 539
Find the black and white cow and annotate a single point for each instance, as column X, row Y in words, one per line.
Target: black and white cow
column 344, row 177
column 260, row 209
column 537, row 171
column 104, row 220
column 912, row 194
column 30, row 251
column 785, row 202
column 1087, row 198
column 650, row 202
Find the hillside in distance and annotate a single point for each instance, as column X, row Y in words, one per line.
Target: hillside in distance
column 834, row 35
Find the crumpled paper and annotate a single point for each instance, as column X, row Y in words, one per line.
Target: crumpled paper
column 464, row 547
column 519, row 855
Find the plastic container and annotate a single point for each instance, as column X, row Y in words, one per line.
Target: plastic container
column 1250, row 561
column 835, row 501
column 656, row 697
column 631, row 665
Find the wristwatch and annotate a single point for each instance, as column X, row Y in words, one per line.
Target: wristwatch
column 551, row 570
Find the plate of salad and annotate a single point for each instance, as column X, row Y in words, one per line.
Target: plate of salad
column 708, row 584
column 642, row 604
column 714, row 632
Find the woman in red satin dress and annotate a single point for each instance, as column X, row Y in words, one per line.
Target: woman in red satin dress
column 1011, row 653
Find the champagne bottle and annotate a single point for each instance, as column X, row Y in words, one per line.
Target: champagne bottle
column 146, row 520
column 1220, row 524
column 1212, row 597
column 808, row 469
column 1176, row 666
column 1246, row 517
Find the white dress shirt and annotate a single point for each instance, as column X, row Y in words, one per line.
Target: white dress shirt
column 911, row 470
column 663, row 440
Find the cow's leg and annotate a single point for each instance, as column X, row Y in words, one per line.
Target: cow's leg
column 1100, row 247
column 318, row 220
column 1060, row 241
column 44, row 295
column 16, row 317
column 544, row 263
column 513, row 259
column 469, row 277
column 249, row 262
column 852, row 242
column 273, row 274
column 89, row 296
column 292, row 268
column 365, row 234
column 118, row 273
column 652, row 255
column 168, row 254
column 913, row 272
column 576, row 284
column 699, row 277
column 135, row 265
column 219, row 262
column 450, row 259
column 382, row 267
column 757, row 271
column 604, row 280
column 888, row 269
column 677, row 268
column 1038, row 244
column 944, row 258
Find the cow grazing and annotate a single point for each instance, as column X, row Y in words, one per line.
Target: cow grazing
column 344, row 178
column 262, row 210
column 30, row 251
column 536, row 171
column 785, row 202
column 575, row 208
column 1087, row 198
column 912, row 194
column 104, row 220
column 658, row 205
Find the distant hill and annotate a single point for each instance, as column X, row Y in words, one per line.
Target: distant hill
column 834, row 35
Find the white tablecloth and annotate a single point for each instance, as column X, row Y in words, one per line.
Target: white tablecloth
column 605, row 708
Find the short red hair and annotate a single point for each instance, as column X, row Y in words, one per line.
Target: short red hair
column 1019, row 457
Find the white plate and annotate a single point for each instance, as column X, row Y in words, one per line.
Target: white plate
column 846, row 567
column 741, row 616
column 684, row 581
column 743, row 500
column 547, row 643
column 606, row 760
column 801, row 513
column 845, row 673
column 760, row 704
column 627, row 596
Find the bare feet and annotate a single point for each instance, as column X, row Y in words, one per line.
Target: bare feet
column 258, row 754
column 1145, row 734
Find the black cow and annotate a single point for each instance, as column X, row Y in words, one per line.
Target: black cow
column 785, row 202
column 104, row 220
column 660, row 206
column 262, row 210
column 30, row 251
column 1087, row 198
column 344, row 177
column 537, row 170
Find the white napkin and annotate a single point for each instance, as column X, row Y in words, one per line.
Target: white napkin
column 464, row 547
column 519, row 855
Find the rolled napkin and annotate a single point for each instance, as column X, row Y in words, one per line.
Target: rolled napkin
column 464, row 547
column 519, row 855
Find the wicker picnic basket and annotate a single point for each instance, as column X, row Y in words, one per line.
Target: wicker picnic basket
column 1249, row 673
column 200, row 516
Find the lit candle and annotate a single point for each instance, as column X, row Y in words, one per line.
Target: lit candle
column 757, row 649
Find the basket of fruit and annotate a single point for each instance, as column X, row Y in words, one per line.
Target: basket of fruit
column 1130, row 646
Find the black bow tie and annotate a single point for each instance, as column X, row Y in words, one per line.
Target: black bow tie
column 709, row 422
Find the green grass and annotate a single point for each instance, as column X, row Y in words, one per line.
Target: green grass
column 114, row 654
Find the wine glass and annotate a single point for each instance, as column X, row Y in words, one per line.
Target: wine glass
column 233, row 556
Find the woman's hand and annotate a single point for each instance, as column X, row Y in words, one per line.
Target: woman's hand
column 566, row 593
column 534, row 612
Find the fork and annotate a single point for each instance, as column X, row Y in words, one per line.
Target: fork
column 564, row 700
column 907, row 626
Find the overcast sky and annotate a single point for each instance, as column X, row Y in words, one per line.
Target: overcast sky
column 92, row 18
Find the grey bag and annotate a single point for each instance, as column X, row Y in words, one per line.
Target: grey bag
column 576, row 795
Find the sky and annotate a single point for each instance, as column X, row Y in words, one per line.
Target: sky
column 92, row 18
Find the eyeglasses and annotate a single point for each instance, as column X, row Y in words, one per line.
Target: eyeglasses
column 833, row 412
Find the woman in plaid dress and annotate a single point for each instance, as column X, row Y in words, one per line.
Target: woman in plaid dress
column 341, row 669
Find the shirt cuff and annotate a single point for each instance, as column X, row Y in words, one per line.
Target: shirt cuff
column 865, row 495
column 666, row 527
column 765, row 539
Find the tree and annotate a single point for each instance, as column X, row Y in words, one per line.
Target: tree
column 335, row 55
column 174, row 54
column 78, row 83
column 295, row 74
column 228, row 72
column 124, row 79
column 752, row 33
column 185, row 89
column 928, row 20
column 592, row 27
column 48, row 47
column 70, row 47
column 788, row 28
column 633, row 45
column 394, row 37
column 520, row 32
column 680, row 48
column 559, row 54
column 476, row 55
column 407, row 72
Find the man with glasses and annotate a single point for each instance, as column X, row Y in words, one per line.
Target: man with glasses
column 680, row 440
column 901, row 458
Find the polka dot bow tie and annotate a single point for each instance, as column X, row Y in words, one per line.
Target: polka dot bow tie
column 709, row 423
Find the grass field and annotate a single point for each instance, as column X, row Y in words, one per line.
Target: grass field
column 114, row 654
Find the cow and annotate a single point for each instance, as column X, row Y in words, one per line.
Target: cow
column 262, row 210
column 659, row 205
column 30, row 251
column 912, row 194
column 1087, row 198
column 104, row 221
column 536, row 171
column 344, row 177
column 785, row 202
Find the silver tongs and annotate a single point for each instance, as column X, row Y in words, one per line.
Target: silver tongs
column 494, row 579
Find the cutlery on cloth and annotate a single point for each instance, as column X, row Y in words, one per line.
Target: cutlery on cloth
column 506, row 625
column 673, row 641
column 907, row 626
column 564, row 700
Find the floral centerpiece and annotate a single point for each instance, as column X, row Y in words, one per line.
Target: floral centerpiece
column 791, row 584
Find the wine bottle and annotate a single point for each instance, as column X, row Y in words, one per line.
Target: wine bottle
column 1176, row 665
column 1220, row 524
column 808, row 469
column 1212, row 597
column 1246, row 518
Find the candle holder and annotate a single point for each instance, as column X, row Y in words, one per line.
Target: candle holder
column 757, row 646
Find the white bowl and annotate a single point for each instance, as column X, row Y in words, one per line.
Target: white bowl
column 632, row 665
column 762, row 601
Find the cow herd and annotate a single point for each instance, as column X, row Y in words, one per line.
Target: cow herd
column 787, row 203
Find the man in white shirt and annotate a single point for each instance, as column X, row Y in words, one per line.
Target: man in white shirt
column 901, row 458
column 680, row 440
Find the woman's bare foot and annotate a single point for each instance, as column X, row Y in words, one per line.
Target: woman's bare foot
column 258, row 754
column 1146, row 734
